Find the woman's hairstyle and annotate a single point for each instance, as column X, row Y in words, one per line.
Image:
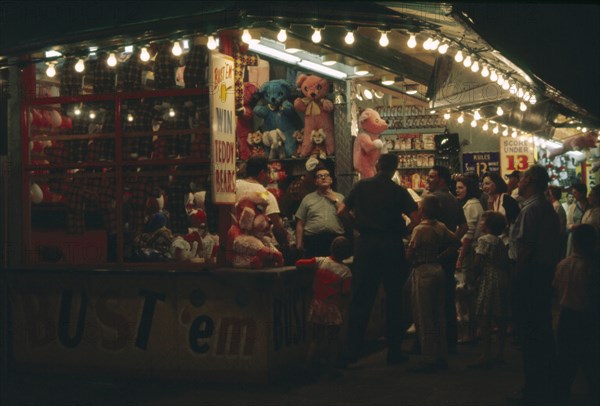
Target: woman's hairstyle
column 494, row 221
column 471, row 185
column 498, row 181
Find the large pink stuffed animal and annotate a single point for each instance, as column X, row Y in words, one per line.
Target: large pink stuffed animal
column 367, row 146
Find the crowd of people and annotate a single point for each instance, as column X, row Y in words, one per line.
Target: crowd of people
column 467, row 258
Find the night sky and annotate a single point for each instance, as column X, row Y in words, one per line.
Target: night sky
column 557, row 42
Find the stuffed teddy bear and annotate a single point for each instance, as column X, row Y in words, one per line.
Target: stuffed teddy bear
column 299, row 136
column 249, row 239
column 255, row 140
column 186, row 247
column 245, row 120
column 367, row 146
column 317, row 112
column 318, row 149
column 274, row 140
column 278, row 112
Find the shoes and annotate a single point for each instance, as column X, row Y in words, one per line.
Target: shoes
column 428, row 368
column 397, row 359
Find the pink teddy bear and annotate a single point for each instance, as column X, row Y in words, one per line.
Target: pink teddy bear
column 367, row 146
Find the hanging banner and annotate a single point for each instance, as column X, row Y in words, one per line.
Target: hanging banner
column 516, row 154
column 481, row 162
column 222, row 129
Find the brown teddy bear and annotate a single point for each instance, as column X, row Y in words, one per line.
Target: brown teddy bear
column 255, row 140
column 367, row 146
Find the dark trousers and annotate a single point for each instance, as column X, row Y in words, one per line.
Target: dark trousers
column 577, row 346
column 377, row 259
column 318, row 245
column 449, row 266
column 535, row 327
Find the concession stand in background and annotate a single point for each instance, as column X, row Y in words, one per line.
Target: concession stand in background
column 120, row 147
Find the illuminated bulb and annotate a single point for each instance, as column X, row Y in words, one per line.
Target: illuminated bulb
column 505, row 85
column 476, row 115
column 384, row 40
column 212, row 43
column 533, row 99
column 514, row 134
column 520, row 93
column 523, row 107
column 348, row 39
column 493, row 75
column 505, row 132
column 431, row 111
column 446, row 116
column 246, row 37
column 485, row 71
column 316, row 37
column 171, row 112
column 496, row 129
column 368, row 94
column 112, row 60
column 77, row 111
column 434, row 44
column 130, row 117
column 459, row 56
column 499, row 111
column 51, row 72
column 579, row 128
column 475, row 66
column 584, row 130
column 427, row 43
column 92, row 115
column 443, row 48
column 461, row 118
column 468, row 61
column 485, row 126
column 177, row 51
column 526, row 96
column 474, row 123
column 144, row 55
column 500, row 80
column 513, row 89
column 412, row 41
column 282, row 36
column 80, row 66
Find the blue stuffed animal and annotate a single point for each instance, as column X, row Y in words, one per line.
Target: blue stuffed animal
column 278, row 112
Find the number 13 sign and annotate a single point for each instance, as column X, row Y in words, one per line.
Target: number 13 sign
column 515, row 155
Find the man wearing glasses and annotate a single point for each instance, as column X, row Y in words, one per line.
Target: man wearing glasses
column 317, row 219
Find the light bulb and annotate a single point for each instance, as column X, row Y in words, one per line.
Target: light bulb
column 384, row 40
column 493, row 75
column 584, row 130
column 92, row 115
column 77, row 111
column 474, row 123
column 349, row 38
column 505, row 132
column 513, row 89
column 485, row 126
column 520, row 93
column 476, row 115
column 533, row 99
column 475, row 66
column 130, row 117
column 171, row 112
column 459, row 56
column 282, row 36
column 434, row 44
column 427, row 43
column 412, row 41
column 212, row 43
column 461, row 119
column 499, row 111
column 446, row 116
column 505, row 85
column 316, row 37
column 80, row 66
column 443, row 48
column 500, row 80
column 112, row 60
column 177, row 51
column 246, row 37
column 496, row 129
column 367, row 94
column 144, row 55
column 468, row 61
column 50, row 72
column 526, row 96
column 523, row 107
column 514, row 134
column 485, row 71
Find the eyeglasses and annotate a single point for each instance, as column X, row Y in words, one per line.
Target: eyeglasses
column 323, row 176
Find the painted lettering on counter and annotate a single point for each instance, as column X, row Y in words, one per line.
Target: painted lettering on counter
column 64, row 322
column 147, row 316
column 122, row 327
column 201, row 328
column 289, row 319
column 239, row 333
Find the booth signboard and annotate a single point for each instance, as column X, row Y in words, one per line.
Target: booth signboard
column 516, row 154
column 481, row 162
column 223, row 119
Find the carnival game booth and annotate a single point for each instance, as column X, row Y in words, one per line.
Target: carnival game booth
column 124, row 146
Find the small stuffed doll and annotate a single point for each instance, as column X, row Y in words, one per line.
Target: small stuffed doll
column 249, row 239
column 274, row 140
column 245, row 120
column 317, row 138
column 277, row 175
column 299, row 136
column 186, row 247
column 317, row 112
column 278, row 112
column 255, row 140
column 367, row 146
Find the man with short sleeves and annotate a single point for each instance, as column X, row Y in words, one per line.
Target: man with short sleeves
column 536, row 238
column 376, row 205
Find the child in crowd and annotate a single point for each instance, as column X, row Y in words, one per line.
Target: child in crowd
column 493, row 300
column 331, row 292
column 576, row 283
column 430, row 243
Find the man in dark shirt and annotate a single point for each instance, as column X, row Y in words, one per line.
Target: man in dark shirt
column 453, row 216
column 376, row 205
